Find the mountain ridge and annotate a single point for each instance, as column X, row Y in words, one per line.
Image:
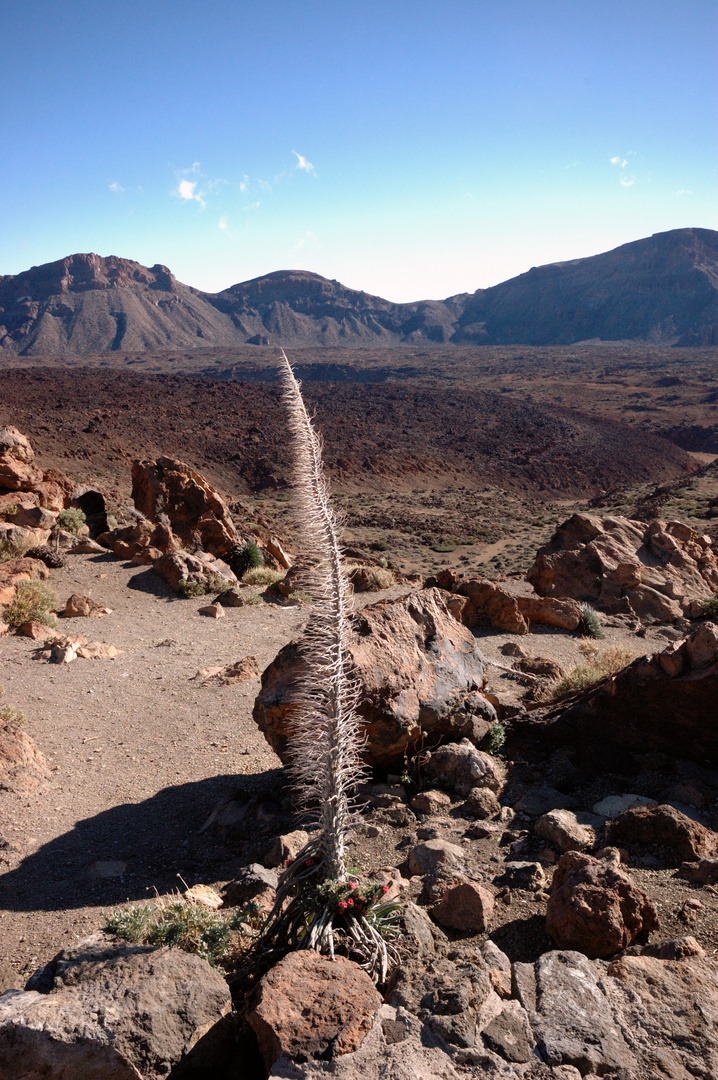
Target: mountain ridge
column 662, row 289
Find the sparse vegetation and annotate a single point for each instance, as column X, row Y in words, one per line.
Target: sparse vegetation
column 245, row 558
column 598, row 664
column 185, row 925
column 33, row 601
column 190, row 587
column 590, row 623
column 15, row 548
column 9, row 714
column 263, row 575
column 72, row 519
column 9, row 511
column 495, row 739
column 709, row 607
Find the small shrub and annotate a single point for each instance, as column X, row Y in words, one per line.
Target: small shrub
column 244, row 558
column 190, row 588
column 16, row 548
column 10, row 510
column 263, row 575
column 33, row 600
column 709, row 607
column 217, row 584
column 191, row 927
column 444, row 546
column 495, row 739
column 589, row 623
column 72, row 519
column 598, row 664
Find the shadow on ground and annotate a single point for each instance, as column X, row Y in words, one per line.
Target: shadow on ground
column 156, row 840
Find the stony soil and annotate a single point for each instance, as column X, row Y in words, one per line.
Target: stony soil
column 141, row 752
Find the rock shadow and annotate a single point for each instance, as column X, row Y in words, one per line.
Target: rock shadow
column 133, row 849
column 147, row 581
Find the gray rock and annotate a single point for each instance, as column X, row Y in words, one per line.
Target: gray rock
column 249, row 882
column 510, row 1034
column 523, row 875
column 448, row 996
column 614, row 805
column 572, row 1020
column 482, row 803
column 568, row 831
column 429, row 856
column 461, row 767
column 494, row 957
column 111, row 1012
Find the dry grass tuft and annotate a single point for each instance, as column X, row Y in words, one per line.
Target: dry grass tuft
column 598, row 663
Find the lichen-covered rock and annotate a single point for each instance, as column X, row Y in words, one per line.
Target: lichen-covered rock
column 415, row 666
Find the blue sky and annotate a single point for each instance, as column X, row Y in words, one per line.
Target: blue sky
column 414, row 150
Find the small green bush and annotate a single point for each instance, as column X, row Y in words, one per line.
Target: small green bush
column 33, row 600
column 217, row 584
column 190, row 588
column 16, row 548
column 188, row 926
column 10, row 510
column 495, row 739
column 244, row 558
column 263, row 575
column 589, row 623
column 709, row 607
column 598, row 664
column 72, row 519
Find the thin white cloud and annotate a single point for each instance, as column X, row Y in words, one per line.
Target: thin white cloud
column 303, row 164
column 188, row 190
column 253, row 206
column 628, row 181
column 264, row 185
column 223, row 224
column 244, row 184
column 621, row 162
column 116, row 187
column 684, row 191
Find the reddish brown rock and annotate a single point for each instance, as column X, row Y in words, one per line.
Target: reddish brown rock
column 34, row 629
column 78, row 606
column 548, row 611
column 311, row 1007
column 595, row 908
column 667, row 827
column 415, row 666
column 55, row 490
column 466, row 907
column 657, row 703
column 22, row 766
column 127, row 540
column 17, row 471
column 371, row 579
column 193, row 506
column 490, row 605
column 662, row 570
column 202, row 569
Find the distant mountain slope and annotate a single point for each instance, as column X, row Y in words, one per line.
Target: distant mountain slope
column 663, row 289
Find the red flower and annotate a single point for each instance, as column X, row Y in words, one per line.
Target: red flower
column 354, row 885
column 350, row 903
column 287, row 862
column 342, row 904
column 385, row 889
column 309, row 862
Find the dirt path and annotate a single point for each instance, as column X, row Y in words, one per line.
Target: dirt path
column 140, row 752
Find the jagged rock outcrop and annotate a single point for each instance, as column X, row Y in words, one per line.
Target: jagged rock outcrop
column 660, row 571
column 195, row 509
column 415, row 664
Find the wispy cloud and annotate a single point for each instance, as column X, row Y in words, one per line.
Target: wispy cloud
column 194, row 185
column 684, row 191
column 264, row 185
column 188, row 190
column 622, row 162
column 223, row 224
column 115, row 187
column 625, row 180
column 303, row 164
column 628, row 181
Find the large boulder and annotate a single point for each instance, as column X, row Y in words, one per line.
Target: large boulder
column 200, row 569
column 17, row 472
column 657, row 703
column 666, row 827
column 639, row 1016
column 415, row 665
column 112, row 1012
column 193, row 506
column 660, row 571
column 595, row 908
column 309, row 1006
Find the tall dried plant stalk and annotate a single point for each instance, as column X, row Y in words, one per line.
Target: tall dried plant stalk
column 325, row 743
